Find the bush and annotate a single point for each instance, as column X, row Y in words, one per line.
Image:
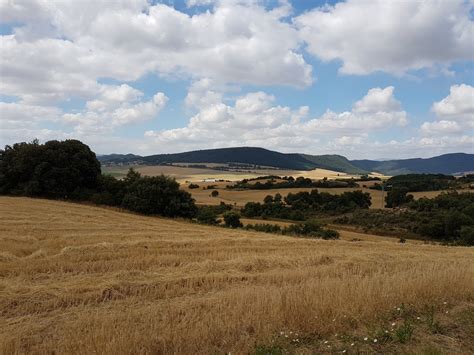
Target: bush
column 157, row 195
column 397, row 197
column 232, row 219
column 193, row 186
column 215, row 193
column 264, row 227
column 207, row 216
column 311, row 228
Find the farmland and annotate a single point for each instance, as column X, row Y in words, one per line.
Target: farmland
column 191, row 174
column 84, row 279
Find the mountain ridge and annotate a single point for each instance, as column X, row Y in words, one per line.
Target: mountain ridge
column 445, row 164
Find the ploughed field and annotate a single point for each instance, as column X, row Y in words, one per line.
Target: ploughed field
column 82, row 279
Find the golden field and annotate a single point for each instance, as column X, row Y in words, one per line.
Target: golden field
column 185, row 175
column 241, row 197
column 89, row 280
column 191, row 174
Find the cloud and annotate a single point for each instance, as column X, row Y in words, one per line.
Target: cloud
column 454, row 113
column 390, row 36
column 115, row 106
column 255, row 120
column 74, row 44
column 458, row 105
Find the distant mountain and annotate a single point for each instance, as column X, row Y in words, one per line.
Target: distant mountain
column 243, row 155
column 119, row 158
column 445, row 164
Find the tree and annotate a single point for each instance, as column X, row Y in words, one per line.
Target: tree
column 397, row 197
column 215, row 193
column 232, row 219
column 158, row 195
column 207, row 216
column 67, row 169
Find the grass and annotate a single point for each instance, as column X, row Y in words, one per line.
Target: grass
column 82, row 279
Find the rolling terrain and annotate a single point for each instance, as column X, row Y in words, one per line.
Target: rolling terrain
column 82, row 279
column 259, row 157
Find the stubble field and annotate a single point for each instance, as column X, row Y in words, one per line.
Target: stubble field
column 83, row 279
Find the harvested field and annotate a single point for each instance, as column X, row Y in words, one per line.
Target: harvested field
column 83, row 279
column 183, row 174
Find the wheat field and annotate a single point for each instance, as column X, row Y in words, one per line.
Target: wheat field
column 88, row 280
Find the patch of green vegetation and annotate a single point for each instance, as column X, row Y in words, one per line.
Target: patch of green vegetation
column 269, row 350
column 404, row 332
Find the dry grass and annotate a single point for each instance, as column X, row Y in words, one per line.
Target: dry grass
column 187, row 174
column 240, row 198
column 82, row 279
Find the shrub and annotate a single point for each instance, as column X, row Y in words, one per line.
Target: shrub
column 193, row 186
column 207, row 216
column 232, row 219
column 311, row 228
column 397, row 197
column 215, row 193
column 157, row 195
column 264, row 227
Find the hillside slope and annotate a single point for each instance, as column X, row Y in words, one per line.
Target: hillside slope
column 443, row 164
column 245, row 155
column 82, row 279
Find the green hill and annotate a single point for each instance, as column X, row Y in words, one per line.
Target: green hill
column 243, row 155
column 443, row 164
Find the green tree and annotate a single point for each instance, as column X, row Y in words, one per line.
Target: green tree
column 397, row 197
column 207, row 216
column 67, row 169
column 158, row 195
column 232, row 219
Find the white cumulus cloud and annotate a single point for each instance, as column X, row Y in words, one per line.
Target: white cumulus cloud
column 390, row 36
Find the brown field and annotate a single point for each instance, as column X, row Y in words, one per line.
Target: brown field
column 185, row 174
column 188, row 174
column 89, row 280
column 240, row 198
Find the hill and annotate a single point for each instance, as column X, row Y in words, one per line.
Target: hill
column 83, row 279
column 443, row 164
column 242, row 155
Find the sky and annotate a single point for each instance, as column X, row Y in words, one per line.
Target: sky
column 367, row 79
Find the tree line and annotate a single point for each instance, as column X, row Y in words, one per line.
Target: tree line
column 290, row 182
column 301, row 205
column 69, row 170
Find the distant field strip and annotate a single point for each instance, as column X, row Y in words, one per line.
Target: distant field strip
column 82, row 279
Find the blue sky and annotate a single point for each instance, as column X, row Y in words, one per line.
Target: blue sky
column 363, row 79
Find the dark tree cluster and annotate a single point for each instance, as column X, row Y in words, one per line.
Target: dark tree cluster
column 420, row 182
column 70, row 170
column 311, row 228
column 290, row 182
column 299, row 205
column 449, row 218
column 66, row 170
